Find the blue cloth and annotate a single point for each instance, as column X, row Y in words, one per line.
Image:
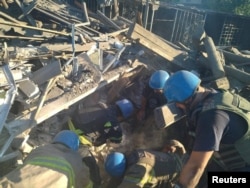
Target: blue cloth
column 95, row 127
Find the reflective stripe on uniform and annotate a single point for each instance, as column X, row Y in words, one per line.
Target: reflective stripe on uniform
column 58, row 164
column 138, row 181
column 90, row 184
column 82, row 139
column 108, row 124
column 147, row 179
column 141, row 181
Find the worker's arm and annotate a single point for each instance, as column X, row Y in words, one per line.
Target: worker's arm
column 194, row 168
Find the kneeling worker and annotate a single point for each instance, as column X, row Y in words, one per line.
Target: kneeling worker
column 146, row 168
column 54, row 165
column 103, row 124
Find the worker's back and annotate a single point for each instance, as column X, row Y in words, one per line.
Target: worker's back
column 53, row 165
column 143, row 168
column 152, row 168
column 99, row 125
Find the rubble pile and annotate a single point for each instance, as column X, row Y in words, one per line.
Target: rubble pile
column 53, row 56
column 56, row 56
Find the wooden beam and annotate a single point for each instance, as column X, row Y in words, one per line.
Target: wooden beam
column 109, row 21
column 78, row 47
column 21, row 37
column 153, row 42
column 34, row 28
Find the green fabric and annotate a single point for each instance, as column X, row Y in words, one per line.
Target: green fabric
column 237, row 104
column 108, row 124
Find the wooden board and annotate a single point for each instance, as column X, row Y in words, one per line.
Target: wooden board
column 78, row 47
column 153, row 42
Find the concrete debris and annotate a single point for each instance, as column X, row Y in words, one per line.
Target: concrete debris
column 56, row 56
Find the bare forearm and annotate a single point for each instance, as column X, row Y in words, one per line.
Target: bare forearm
column 194, row 168
column 190, row 177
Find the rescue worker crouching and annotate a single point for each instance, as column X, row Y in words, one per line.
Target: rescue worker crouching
column 219, row 121
column 146, row 168
column 53, row 165
column 102, row 124
column 152, row 95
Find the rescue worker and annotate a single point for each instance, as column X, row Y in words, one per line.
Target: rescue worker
column 53, row 165
column 152, row 95
column 102, row 124
column 220, row 122
column 146, row 168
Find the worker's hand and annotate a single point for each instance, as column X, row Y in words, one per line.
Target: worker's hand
column 174, row 146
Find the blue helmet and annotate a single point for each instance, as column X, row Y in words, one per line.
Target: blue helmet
column 68, row 138
column 180, row 86
column 158, row 79
column 126, row 107
column 115, row 164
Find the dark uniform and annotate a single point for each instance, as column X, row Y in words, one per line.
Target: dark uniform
column 148, row 168
column 144, row 97
column 99, row 124
column 154, row 99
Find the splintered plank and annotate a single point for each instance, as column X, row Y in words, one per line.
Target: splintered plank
column 153, row 42
column 107, row 20
column 78, row 47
